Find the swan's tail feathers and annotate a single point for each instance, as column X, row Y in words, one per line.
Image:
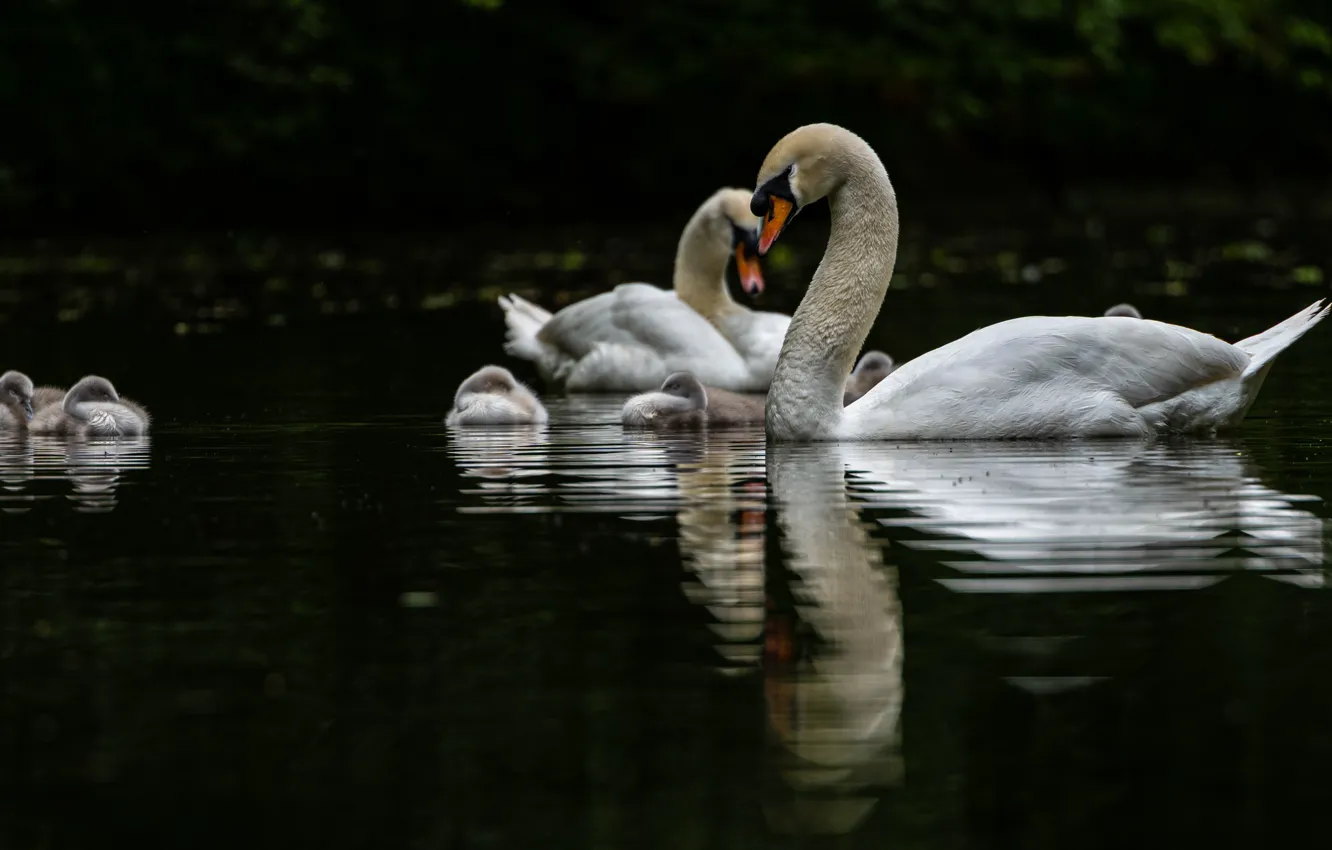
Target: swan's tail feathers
column 524, row 320
column 539, row 314
column 1263, row 348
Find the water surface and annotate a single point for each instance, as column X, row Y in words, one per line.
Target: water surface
column 304, row 613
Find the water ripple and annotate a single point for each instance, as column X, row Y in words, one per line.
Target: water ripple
column 92, row 468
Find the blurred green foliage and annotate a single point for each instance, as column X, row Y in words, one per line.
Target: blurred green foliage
column 399, row 110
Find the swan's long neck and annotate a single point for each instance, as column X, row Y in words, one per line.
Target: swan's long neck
column 73, row 406
column 700, row 271
column 838, row 310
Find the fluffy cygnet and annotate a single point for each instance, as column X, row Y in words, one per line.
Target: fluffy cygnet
column 492, row 396
column 92, row 408
column 15, row 401
column 873, row 367
column 1124, row 310
column 683, row 402
column 43, row 397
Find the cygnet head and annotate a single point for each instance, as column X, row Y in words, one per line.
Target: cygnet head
column 684, row 385
column 92, row 388
column 809, row 163
column 18, row 387
column 725, row 218
column 490, row 380
column 1124, row 310
column 874, row 365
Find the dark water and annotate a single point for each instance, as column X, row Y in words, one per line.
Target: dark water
column 304, row 614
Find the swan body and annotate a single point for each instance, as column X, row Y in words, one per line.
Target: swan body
column 684, row 402
column 873, row 367
column 43, row 397
column 492, row 396
column 92, row 408
column 15, row 401
column 633, row 337
column 1040, row 377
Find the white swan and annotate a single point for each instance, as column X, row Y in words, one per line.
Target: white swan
column 492, row 396
column 631, row 338
column 683, row 402
column 1032, row 377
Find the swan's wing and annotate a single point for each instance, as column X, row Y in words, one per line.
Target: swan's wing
column 137, row 410
column 101, row 423
column 1074, row 362
column 636, row 315
column 1142, row 360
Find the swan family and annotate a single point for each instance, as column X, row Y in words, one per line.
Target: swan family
column 90, row 408
column 1033, row 377
column 696, row 358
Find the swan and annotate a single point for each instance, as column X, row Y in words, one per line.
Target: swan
column 1043, row 377
column 92, row 408
column 47, row 396
column 873, row 367
column 631, row 338
column 683, row 402
column 833, row 656
column 1124, row 310
column 492, row 396
column 15, row 401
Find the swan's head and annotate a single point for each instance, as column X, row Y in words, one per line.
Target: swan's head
column 808, row 164
column 18, row 387
column 1124, row 310
column 874, row 365
column 684, row 385
column 491, row 380
column 726, row 218
column 91, row 388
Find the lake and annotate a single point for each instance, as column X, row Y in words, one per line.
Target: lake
column 305, row 613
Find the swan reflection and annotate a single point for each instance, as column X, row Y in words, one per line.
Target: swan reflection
column 710, row 483
column 93, row 469
column 506, row 462
column 722, row 521
column 834, row 699
column 594, row 467
column 1031, row 517
column 16, row 474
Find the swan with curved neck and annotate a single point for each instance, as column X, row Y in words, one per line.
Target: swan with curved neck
column 15, row 401
column 1042, row 377
column 493, row 396
column 92, row 408
column 683, row 402
column 632, row 337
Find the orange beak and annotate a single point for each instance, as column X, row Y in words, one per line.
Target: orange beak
column 779, row 213
column 751, row 276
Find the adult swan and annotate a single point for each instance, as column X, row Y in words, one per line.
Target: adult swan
column 1041, row 377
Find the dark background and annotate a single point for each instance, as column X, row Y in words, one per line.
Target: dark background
column 283, row 225
column 302, row 114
